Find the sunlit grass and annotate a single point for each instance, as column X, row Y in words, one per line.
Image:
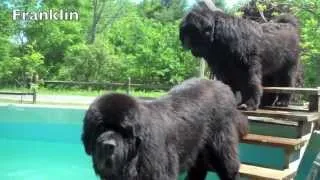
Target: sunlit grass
column 83, row 92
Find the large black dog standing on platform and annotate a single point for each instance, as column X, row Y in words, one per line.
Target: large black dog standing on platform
column 196, row 127
column 245, row 54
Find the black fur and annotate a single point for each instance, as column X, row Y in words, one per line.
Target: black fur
column 196, row 127
column 244, row 54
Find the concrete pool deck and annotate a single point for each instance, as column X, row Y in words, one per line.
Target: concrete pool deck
column 59, row 100
column 51, row 99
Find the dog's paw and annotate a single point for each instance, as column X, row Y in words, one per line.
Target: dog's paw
column 247, row 107
column 282, row 103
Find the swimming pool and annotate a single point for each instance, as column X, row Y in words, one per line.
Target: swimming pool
column 43, row 143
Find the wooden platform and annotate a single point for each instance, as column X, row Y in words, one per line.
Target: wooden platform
column 266, row 136
column 285, row 115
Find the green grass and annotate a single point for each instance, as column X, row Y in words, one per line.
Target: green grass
column 82, row 92
column 72, row 92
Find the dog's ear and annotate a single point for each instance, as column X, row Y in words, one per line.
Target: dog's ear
column 207, row 24
column 91, row 129
column 131, row 125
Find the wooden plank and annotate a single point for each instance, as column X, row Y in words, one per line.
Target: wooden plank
column 289, row 108
column 266, row 156
column 318, row 99
column 296, row 164
column 272, row 121
column 254, row 172
column 285, row 115
column 16, row 93
column 288, row 144
column 274, row 129
column 291, row 90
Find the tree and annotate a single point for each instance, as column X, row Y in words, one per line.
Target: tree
column 163, row 11
column 16, row 69
column 6, row 28
column 151, row 49
column 104, row 14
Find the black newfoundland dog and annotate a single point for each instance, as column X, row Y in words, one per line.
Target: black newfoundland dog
column 196, row 127
column 245, row 54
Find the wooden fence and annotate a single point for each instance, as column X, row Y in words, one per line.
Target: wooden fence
column 22, row 94
column 108, row 85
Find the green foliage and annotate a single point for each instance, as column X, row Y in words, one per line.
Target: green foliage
column 163, row 11
column 4, row 49
column 308, row 12
column 90, row 63
column 153, row 48
column 131, row 40
column 54, row 40
column 18, row 68
column 5, row 30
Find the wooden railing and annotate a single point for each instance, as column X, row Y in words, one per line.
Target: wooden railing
column 22, row 94
column 312, row 93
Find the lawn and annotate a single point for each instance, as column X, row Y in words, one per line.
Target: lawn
column 83, row 92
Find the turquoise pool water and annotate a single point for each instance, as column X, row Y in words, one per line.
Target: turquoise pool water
column 38, row 151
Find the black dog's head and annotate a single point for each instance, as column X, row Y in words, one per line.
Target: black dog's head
column 111, row 134
column 197, row 30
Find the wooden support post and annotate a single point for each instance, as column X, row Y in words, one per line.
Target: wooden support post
column 314, row 101
column 317, row 123
column 318, row 99
column 305, row 128
column 34, row 96
column 129, row 86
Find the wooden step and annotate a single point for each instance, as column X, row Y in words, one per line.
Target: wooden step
column 273, row 121
column 286, row 143
column 301, row 108
column 260, row 173
column 285, row 115
column 278, row 128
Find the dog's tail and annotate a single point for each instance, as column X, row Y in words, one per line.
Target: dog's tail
column 287, row 18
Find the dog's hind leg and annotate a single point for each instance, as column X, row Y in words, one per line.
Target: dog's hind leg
column 286, row 79
column 224, row 155
column 199, row 170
